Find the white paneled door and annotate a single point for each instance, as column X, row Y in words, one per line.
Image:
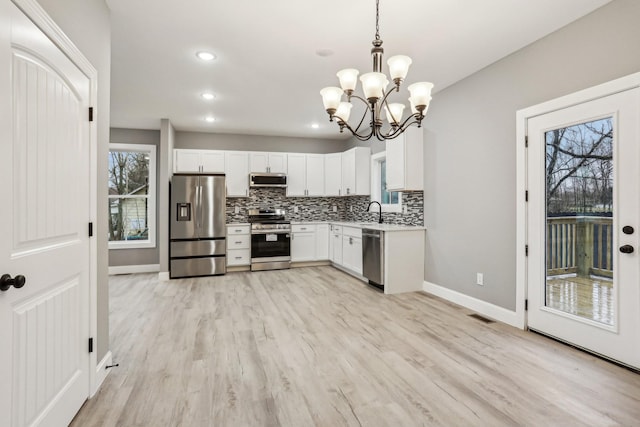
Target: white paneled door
column 45, row 149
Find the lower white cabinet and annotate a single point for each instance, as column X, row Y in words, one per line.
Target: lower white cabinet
column 238, row 245
column 352, row 249
column 322, row 242
column 335, row 244
column 303, row 242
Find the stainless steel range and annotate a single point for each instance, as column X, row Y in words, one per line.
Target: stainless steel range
column 270, row 239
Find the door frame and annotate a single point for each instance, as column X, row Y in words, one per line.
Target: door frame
column 43, row 21
column 622, row 84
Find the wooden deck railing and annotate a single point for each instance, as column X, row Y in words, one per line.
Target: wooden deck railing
column 580, row 244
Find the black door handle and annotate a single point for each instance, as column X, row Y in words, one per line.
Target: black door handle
column 626, row 249
column 6, row 282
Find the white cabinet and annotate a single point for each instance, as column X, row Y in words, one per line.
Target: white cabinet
column 238, row 245
column 352, row 249
column 356, row 172
column 333, row 174
column 303, row 242
column 305, row 176
column 237, row 171
column 335, row 244
column 268, row 162
column 405, row 161
column 210, row 161
column 322, row 242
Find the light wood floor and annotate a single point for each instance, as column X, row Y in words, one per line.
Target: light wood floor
column 315, row 347
column 583, row 296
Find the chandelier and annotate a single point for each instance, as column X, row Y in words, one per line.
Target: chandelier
column 374, row 86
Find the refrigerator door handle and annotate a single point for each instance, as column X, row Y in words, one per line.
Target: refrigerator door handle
column 198, row 209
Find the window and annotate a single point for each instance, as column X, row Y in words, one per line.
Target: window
column 132, row 194
column 391, row 201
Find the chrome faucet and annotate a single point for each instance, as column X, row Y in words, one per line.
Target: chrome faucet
column 380, row 212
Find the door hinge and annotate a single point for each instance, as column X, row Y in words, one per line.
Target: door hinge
column 90, row 229
column 90, row 114
column 526, row 195
column 90, row 345
column 526, row 305
column 526, row 141
column 526, row 250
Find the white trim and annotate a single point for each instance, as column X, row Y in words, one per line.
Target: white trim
column 522, row 116
column 164, row 276
column 482, row 307
column 131, row 269
column 35, row 12
column 101, row 373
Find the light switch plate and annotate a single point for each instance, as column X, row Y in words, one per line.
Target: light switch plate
column 295, row 209
column 335, row 208
column 237, row 209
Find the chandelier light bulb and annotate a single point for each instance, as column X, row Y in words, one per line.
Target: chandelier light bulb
column 399, row 67
column 373, row 85
column 420, row 93
column 348, row 79
column 414, row 110
column 344, row 111
column 331, row 97
column 394, row 113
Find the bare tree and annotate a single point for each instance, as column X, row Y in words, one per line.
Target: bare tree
column 128, row 174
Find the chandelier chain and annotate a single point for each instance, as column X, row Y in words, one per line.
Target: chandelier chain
column 377, row 19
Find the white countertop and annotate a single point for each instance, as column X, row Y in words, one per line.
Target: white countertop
column 369, row 225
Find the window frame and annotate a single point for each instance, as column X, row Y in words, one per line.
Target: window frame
column 376, row 184
column 150, row 150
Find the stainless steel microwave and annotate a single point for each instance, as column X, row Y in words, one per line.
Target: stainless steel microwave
column 267, row 180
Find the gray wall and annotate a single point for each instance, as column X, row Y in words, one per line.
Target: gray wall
column 120, row 257
column 470, row 146
column 88, row 24
column 211, row 141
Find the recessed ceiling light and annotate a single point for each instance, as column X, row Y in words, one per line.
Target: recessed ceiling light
column 206, row 56
column 208, row 96
column 315, row 125
column 210, row 119
column 324, row 52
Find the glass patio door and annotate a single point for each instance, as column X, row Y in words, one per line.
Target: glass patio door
column 583, row 220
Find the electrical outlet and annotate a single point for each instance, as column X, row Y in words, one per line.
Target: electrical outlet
column 335, row 208
column 237, row 209
column 405, row 210
column 480, row 279
column 295, row 209
column 350, row 208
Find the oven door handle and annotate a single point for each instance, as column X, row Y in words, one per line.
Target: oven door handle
column 271, row 232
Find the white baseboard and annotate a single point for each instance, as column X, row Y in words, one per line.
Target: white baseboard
column 481, row 307
column 164, row 276
column 129, row 269
column 101, row 372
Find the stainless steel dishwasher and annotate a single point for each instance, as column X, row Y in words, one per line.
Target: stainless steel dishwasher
column 373, row 256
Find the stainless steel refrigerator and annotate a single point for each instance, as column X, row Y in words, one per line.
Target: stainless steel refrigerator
column 198, row 233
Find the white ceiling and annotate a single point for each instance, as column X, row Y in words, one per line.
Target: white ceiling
column 267, row 75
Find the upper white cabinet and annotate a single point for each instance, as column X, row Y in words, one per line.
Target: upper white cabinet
column 305, row 175
column 333, row 174
column 237, row 170
column 356, row 172
column 268, row 162
column 405, row 162
column 207, row 161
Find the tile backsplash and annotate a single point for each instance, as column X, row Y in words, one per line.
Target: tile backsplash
column 350, row 208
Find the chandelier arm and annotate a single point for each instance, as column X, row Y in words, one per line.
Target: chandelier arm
column 403, row 127
column 368, row 110
column 360, row 98
column 361, row 137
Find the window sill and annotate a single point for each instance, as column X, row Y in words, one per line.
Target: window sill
column 132, row 245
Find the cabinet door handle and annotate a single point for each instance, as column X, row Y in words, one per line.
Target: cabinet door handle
column 303, row 228
column 237, row 243
column 238, row 257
